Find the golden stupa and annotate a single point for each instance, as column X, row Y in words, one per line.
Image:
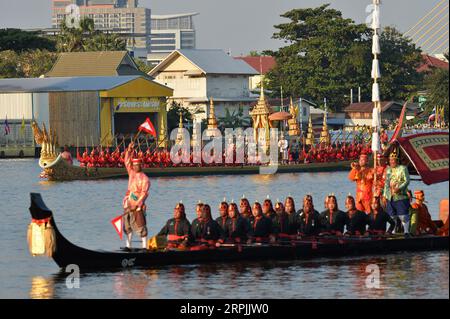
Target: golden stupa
column 325, row 134
column 260, row 117
column 294, row 128
column 180, row 132
column 212, row 121
column 310, row 134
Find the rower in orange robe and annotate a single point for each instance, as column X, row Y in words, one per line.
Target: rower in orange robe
column 425, row 224
column 363, row 176
column 380, row 174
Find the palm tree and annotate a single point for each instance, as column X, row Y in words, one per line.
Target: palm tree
column 86, row 38
column 234, row 119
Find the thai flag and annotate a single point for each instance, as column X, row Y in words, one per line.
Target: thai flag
column 7, row 128
column 148, row 127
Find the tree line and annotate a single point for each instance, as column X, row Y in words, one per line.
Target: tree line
column 326, row 55
column 30, row 54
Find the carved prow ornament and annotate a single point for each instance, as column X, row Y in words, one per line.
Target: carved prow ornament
column 48, row 142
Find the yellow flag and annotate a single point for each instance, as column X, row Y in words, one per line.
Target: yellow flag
column 22, row 127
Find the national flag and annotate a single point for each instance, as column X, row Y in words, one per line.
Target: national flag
column 401, row 121
column 148, row 127
column 7, row 128
column 118, row 225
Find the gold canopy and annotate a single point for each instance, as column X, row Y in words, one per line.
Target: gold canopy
column 260, row 116
column 294, row 128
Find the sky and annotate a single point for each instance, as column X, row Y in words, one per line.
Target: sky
column 238, row 26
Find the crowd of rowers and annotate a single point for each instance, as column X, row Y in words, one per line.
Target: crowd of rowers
column 265, row 223
column 103, row 157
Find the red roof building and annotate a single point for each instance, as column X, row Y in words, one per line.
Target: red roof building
column 266, row 63
column 430, row 62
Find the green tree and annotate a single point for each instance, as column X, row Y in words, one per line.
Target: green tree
column 18, row 40
column 143, row 66
column 234, row 119
column 327, row 55
column 9, row 64
column 31, row 68
column 399, row 61
column 86, row 38
column 33, row 63
column 437, row 84
column 173, row 116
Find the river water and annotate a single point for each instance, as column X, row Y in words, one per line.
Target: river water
column 83, row 210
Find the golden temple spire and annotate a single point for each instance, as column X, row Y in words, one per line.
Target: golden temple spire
column 262, row 97
column 310, row 134
column 325, row 135
column 212, row 121
column 211, row 108
column 180, row 125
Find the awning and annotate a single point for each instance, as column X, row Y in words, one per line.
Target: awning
column 427, row 155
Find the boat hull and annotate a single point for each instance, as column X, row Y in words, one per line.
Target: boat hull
column 88, row 260
column 61, row 171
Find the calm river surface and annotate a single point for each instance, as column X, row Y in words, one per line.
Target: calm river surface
column 83, row 210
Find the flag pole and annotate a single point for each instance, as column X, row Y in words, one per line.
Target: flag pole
column 376, row 114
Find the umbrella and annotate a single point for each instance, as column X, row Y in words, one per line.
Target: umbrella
column 280, row 116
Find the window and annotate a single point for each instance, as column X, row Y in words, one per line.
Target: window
column 157, row 41
column 163, row 48
column 194, row 83
column 185, row 23
column 163, row 35
column 174, row 23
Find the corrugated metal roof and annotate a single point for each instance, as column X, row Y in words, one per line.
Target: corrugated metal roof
column 63, row 84
column 217, row 62
column 102, row 63
column 211, row 62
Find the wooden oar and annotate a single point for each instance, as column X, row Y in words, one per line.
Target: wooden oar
column 146, row 142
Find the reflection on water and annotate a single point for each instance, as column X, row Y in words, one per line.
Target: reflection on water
column 83, row 210
column 321, row 278
column 41, row 288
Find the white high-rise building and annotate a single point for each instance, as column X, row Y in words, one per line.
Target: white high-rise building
column 170, row 33
column 123, row 17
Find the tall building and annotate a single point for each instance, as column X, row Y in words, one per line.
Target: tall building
column 170, row 33
column 112, row 16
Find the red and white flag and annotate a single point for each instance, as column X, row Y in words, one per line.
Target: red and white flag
column 148, row 127
column 118, row 225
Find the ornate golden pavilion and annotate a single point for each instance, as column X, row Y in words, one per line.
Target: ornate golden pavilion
column 294, row 127
column 260, row 117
